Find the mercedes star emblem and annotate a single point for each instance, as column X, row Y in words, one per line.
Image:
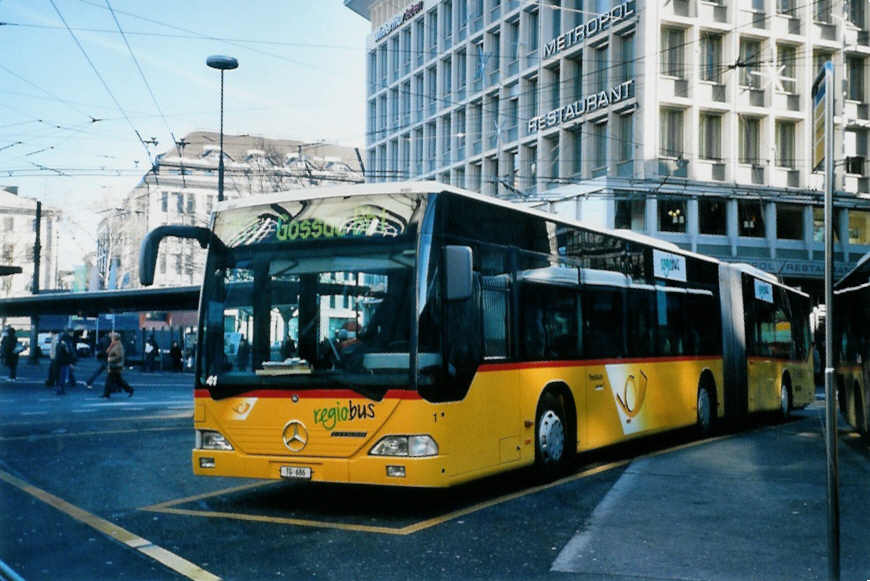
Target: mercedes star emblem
column 295, row 435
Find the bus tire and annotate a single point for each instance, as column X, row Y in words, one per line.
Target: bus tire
column 551, row 436
column 785, row 400
column 705, row 410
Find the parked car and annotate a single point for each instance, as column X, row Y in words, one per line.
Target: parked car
column 83, row 349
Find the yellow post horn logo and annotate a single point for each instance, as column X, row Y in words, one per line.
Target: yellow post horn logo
column 633, row 395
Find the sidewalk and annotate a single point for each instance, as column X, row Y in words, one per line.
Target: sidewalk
column 748, row 506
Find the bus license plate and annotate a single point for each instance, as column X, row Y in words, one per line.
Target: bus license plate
column 300, row 472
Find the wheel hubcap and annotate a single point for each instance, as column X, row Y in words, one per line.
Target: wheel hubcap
column 783, row 400
column 551, row 436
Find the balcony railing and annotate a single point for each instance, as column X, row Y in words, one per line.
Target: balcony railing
column 513, row 67
column 476, row 84
column 494, row 13
column 460, row 92
column 476, row 146
column 494, row 76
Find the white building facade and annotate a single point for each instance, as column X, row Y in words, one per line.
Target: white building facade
column 688, row 120
column 17, row 240
column 182, row 189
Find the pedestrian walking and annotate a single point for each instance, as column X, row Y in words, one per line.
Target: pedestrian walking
column 151, row 351
column 52, row 361
column 70, row 342
column 101, row 357
column 115, row 363
column 64, row 357
column 11, row 348
column 244, row 354
column 175, row 356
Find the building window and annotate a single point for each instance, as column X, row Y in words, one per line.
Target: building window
column 785, row 146
column 626, row 138
column 785, row 7
column 672, row 215
column 750, row 131
column 710, row 136
column 786, row 58
column 673, row 46
column 859, row 227
column 823, row 11
column 599, row 168
column 164, row 202
column 627, row 58
column 750, row 217
column 819, row 224
column 671, row 129
column 711, row 57
column 750, row 63
column 178, row 264
column 578, row 149
column 855, row 78
column 712, row 216
column 163, row 263
column 630, row 215
column 179, row 202
column 855, row 12
column 601, row 69
column 789, row 222
column 191, row 204
column 8, row 223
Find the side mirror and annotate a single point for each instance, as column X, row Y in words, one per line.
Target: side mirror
column 458, row 269
column 151, row 244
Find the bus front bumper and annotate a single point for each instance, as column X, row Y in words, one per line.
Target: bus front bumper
column 428, row 471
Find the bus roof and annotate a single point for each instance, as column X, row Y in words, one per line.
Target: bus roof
column 432, row 187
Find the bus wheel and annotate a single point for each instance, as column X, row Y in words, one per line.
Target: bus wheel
column 784, row 401
column 705, row 411
column 550, row 435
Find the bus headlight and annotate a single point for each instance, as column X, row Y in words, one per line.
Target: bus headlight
column 412, row 446
column 211, row 440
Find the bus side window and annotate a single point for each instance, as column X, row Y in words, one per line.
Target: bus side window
column 640, row 326
column 670, row 332
column 495, row 315
column 533, row 334
column 602, row 325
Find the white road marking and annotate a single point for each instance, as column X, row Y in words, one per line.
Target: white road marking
column 32, row 413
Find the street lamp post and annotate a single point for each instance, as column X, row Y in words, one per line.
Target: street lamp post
column 221, row 63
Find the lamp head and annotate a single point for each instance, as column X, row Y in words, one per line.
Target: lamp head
column 221, row 62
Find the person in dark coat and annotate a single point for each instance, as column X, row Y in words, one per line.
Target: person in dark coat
column 175, row 356
column 10, row 348
column 151, row 352
column 243, row 354
column 64, row 358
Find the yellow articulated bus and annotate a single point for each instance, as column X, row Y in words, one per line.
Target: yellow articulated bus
column 852, row 345
column 417, row 334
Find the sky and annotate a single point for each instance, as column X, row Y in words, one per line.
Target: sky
column 73, row 102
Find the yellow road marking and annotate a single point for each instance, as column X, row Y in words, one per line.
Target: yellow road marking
column 91, row 433
column 144, row 546
column 281, row 520
column 170, row 503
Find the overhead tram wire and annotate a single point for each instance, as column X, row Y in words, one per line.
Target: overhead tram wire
column 66, row 102
column 207, row 37
column 145, row 80
column 103, row 81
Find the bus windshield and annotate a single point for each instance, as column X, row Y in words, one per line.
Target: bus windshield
column 319, row 313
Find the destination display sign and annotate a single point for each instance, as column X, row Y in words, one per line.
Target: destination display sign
column 581, row 107
column 360, row 217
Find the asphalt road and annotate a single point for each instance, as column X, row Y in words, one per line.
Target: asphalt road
column 93, row 488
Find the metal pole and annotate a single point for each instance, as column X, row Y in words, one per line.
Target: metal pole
column 221, row 161
column 830, row 394
column 34, row 287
